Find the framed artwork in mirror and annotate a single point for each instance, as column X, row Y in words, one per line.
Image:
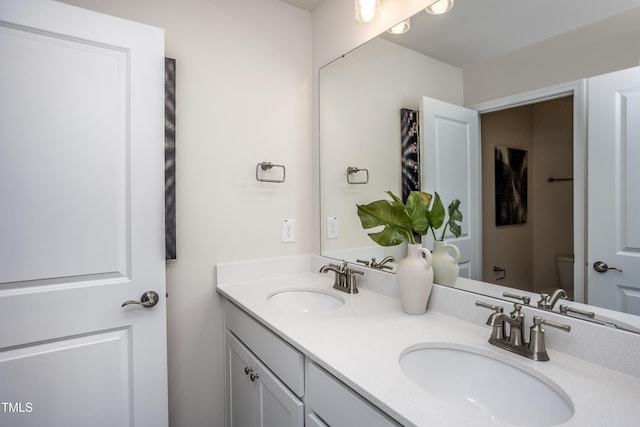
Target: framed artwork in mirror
column 510, row 186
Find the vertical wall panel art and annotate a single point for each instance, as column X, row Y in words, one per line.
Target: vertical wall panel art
column 170, row 157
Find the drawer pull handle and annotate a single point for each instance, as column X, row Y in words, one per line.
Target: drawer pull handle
column 248, row 370
column 253, row 377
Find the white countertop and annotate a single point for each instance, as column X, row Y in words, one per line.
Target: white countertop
column 361, row 343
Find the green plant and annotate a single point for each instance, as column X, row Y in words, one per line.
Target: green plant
column 403, row 221
column 400, row 221
column 435, row 217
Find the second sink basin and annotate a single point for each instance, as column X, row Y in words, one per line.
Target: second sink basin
column 306, row 300
column 497, row 389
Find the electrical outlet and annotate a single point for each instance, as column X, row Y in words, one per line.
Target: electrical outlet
column 332, row 227
column 288, row 230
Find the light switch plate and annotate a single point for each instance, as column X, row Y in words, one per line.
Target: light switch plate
column 332, row 227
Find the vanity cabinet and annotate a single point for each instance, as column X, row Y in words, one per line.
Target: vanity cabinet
column 270, row 384
column 265, row 375
column 328, row 402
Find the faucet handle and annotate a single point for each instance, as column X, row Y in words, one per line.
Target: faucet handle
column 517, row 311
column 545, row 301
column 537, row 346
column 538, row 321
column 355, row 271
column 525, row 299
column 496, row 308
column 565, row 309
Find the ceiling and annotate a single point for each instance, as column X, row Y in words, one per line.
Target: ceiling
column 475, row 31
column 304, row 4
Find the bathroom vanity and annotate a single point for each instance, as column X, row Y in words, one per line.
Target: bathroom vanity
column 299, row 353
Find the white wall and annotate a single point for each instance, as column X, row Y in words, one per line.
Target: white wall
column 243, row 96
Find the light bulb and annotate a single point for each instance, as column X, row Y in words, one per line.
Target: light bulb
column 440, row 6
column 366, row 10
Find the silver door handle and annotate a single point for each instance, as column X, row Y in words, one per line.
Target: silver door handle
column 148, row 299
column 602, row 267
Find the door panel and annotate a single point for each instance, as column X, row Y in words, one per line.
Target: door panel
column 614, row 200
column 451, row 160
column 64, row 150
column 82, row 230
column 102, row 383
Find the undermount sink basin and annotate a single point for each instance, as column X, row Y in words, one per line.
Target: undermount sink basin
column 497, row 389
column 306, row 300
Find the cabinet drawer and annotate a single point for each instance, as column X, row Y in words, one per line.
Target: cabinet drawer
column 337, row 405
column 282, row 359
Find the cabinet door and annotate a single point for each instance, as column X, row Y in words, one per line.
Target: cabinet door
column 277, row 405
column 241, row 407
column 256, row 396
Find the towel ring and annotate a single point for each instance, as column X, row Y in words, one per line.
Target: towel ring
column 353, row 170
column 265, row 166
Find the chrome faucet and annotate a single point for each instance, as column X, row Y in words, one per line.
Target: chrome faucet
column 514, row 341
column 379, row 265
column 383, row 264
column 345, row 277
column 549, row 301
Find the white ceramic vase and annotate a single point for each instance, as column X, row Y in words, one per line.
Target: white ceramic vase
column 445, row 266
column 414, row 277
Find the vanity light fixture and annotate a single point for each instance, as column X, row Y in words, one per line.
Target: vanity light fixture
column 400, row 28
column 439, row 7
column 366, row 10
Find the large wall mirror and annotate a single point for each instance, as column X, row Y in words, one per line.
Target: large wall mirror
column 522, row 67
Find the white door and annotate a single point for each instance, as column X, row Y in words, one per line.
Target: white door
column 614, row 195
column 451, row 159
column 81, row 218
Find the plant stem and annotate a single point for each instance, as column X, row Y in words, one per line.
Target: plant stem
column 411, row 239
column 434, row 233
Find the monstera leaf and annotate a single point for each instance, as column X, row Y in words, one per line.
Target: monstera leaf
column 399, row 221
column 454, row 216
column 436, row 216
